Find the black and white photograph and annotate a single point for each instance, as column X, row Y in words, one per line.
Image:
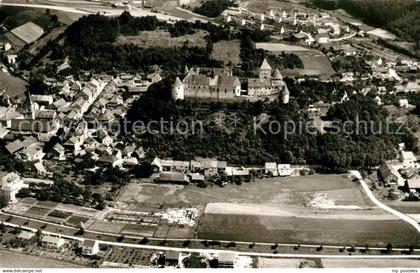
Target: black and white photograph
column 238, row 135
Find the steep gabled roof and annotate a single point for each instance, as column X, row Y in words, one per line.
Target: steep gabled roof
column 265, row 65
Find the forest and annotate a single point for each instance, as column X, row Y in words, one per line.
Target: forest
column 331, row 152
column 213, row 8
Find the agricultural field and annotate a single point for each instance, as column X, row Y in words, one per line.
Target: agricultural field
column 318, row 209
column 370, row 263
column 161, row 38
column 14, row 87
column 18, row 260
column 288, row 225
column 314, row 61
column 227, row 51
column 278, row 192
column 12, row 17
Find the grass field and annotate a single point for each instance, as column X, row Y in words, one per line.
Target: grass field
column 15, row 87
column 314, row 61
column 12, row 17
column 227, row 51
column 161, row 38
column 307, row 230
column 10, row 259
column 278, row 192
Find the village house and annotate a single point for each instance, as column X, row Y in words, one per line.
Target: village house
column 90, row 247
column 172, row 177
column 412, row 184
column 7, row 115
column 225, row 260
column 11, row 183
column 390, row 176
column 54, row 243
column 171, row 258
column 270, row 168
column 25, row 235
column 407, row 158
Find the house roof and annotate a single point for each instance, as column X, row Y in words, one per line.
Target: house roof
column 51, row 239
column 194, row 79
column 277, row 74
column 171, row 255
column 14, row 146
column 414, row 183
column 172, row 176
column 28, row 32
column 89, row 243
column 25, row 235
column 226, row 257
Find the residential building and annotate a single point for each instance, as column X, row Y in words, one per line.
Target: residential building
column 25, row 235
column 11, row 183
column 173, row 177
column 412, row 184
column 225, row 260
column 171, row 258
column 90, row 247
column 55, row 243
column 390, row 175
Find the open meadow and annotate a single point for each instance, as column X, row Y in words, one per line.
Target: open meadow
column 318, row 209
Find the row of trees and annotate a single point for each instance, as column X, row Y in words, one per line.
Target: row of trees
column 213, row 8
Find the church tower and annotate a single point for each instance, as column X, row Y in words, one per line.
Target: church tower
column 265, row 71
column 178, row 90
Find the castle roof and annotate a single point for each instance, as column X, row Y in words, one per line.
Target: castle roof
column 178, row 82
column 195, row 79
column 277, row 75
column 265, row 65
column 228, row 81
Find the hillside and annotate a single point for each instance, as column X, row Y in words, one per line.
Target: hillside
column 401, row 17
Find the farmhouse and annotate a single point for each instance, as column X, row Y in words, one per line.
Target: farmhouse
column 24, row 34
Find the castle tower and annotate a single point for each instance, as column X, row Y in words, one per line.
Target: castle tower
column 265, row 71
column 285, row 95
column 186, row 70
column 178, row 90
column 277, row 78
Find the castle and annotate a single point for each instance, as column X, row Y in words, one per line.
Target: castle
column 221, row 85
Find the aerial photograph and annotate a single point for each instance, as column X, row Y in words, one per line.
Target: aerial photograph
column 269, row 135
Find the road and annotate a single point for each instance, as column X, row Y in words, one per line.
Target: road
column 78, row 238
column 136, row 12
column 243, row 253
column 369, row 193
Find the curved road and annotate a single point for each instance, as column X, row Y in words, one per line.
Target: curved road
column 400, row 215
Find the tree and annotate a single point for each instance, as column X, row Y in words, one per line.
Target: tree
column 80, row 232
column 389, row 248
column 3, row 200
